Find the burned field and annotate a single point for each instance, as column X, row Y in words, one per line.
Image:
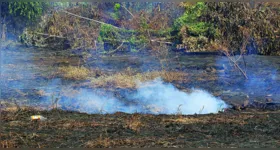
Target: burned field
column 29, row 84
column 132, row 74
column 247, row 128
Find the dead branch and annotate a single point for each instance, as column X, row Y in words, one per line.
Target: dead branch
column 127, row 11
column 116, row 48
column 164, row 42
column 226, row 51
column 89, row 19
column 236, row 65
column 49, row 35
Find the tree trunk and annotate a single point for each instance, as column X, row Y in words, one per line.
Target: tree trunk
column 3, row 32
column 3, row 25
column 1, row 21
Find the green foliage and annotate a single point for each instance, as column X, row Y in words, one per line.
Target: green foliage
column 143, row 24
column 61, row 4
column 107, row 31
column 30, row 10
column 83, row 3
column 134, row 50
column 191, row 18
column 114, row 15
column 99, row 39
column 164, row 32
column 117, row 6
column 132, row 40
column 143, row 39
column 198, row 28
column 192, row 29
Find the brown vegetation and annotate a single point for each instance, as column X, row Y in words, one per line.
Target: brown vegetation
column 129, row 80
column 74, row 73
column 238, row 22
column 134, row 123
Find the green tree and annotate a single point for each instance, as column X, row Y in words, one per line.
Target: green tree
column 191, row 19
column 194, row 32
column 16, row 16
column 31, row 10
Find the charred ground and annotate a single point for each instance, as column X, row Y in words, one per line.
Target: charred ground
column 248, row 128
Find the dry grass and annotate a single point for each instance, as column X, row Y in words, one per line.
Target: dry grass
column 128, row 79
column 134, row 123
column 120, row 142
column 184, row 120
column 8, row 144
column 74, row 73
column 100, row 142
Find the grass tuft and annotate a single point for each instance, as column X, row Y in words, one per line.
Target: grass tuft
column 74, row 73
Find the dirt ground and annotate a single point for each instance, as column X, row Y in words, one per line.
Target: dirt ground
column 63, row 129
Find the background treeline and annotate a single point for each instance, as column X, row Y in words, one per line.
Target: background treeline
column 138, row 26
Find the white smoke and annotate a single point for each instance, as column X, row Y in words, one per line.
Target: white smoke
column 92, row 102
column 154, row 97
column 170, row 100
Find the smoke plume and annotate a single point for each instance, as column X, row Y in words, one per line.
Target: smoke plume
column 153, row 97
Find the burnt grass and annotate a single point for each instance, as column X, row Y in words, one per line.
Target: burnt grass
column 66, row 129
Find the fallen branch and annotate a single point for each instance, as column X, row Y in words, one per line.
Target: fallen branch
column 128, row 11
column 161, row 42
column 49, row 35
column 89, row 19
column 236, row 65
column 226, row 52
column 116, row 48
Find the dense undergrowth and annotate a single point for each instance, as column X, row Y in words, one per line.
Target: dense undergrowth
column 136, row 26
